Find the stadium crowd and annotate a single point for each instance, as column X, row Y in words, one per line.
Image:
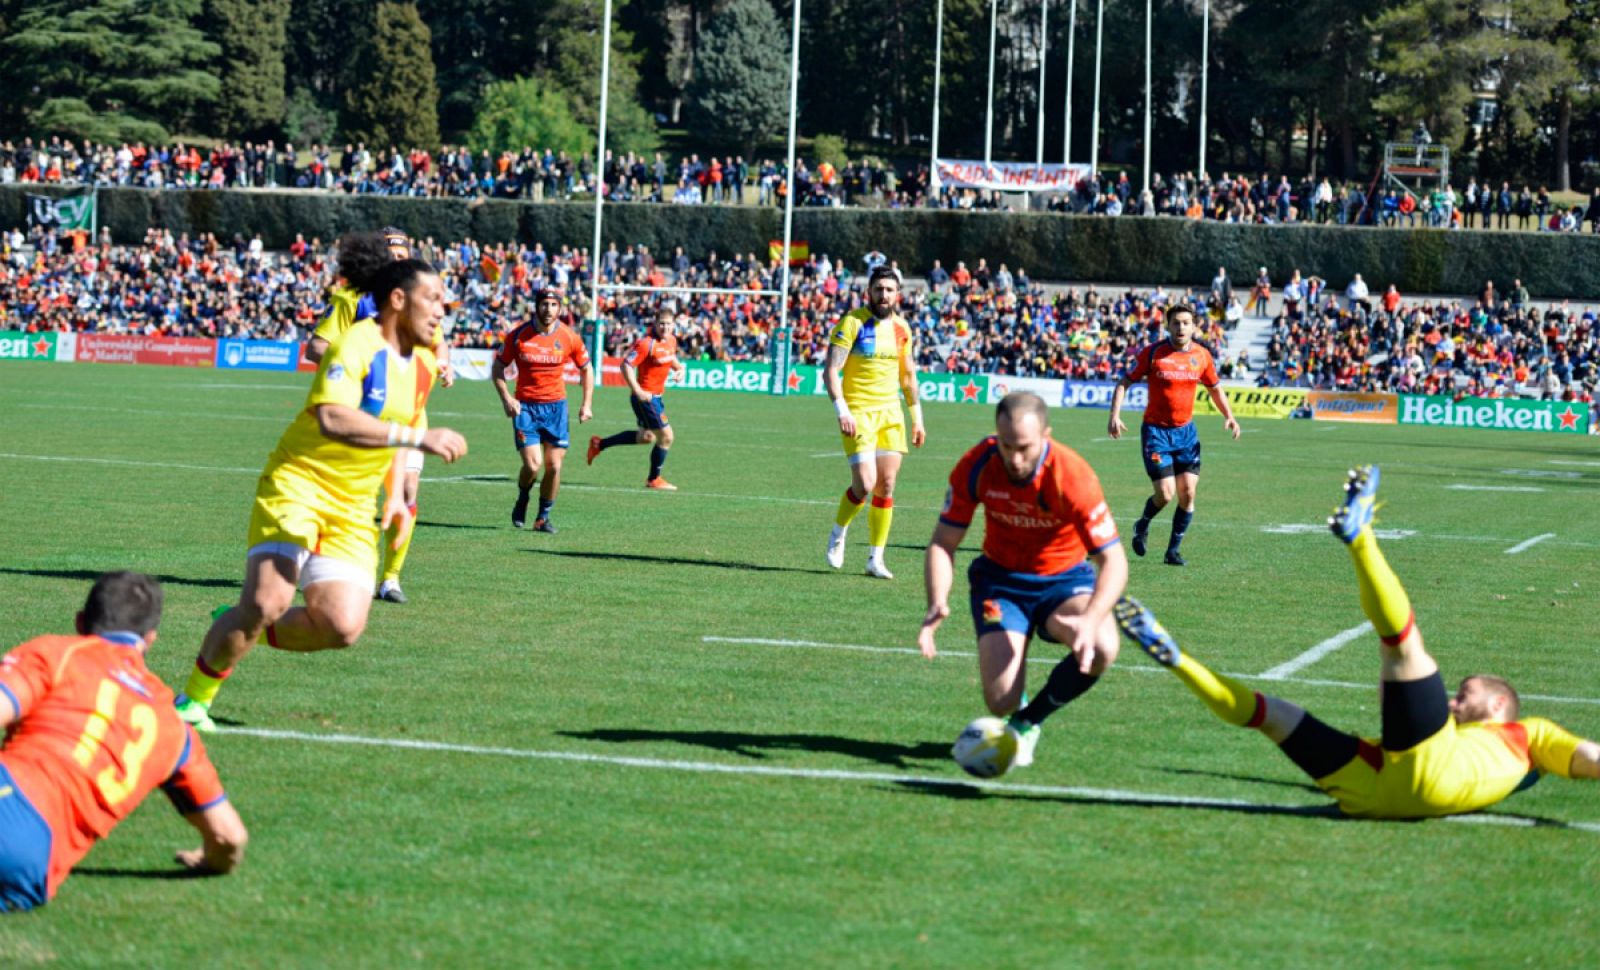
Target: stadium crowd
column 977, row 319
column 455, row 171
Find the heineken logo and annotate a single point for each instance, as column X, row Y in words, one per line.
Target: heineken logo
column 1500, row 414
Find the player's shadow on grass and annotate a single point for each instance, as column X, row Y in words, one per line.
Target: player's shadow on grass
column 758, row 745
column 1257, row 779
column 90, row 575
column 965, row 791
column 455, row 525
column 751, row 567
column 111, row 872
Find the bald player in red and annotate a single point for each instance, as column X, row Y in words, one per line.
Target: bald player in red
column 90, row 732
column 1045, row 521
column 653, row 359
column 540, row 350
column 1171, row 445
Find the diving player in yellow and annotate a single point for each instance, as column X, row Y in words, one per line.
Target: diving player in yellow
column 312, row 524
column 871, row 359
column 361, row 255
column 1437, row 755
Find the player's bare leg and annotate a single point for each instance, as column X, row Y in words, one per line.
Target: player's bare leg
column 1186, row 483
column 881, row 514
column 1068, row 681
column 333, row 618
column 1001, row 656
column 863, row 479
column 1162, row 491
column 532, row 462
column 549, row 487
column 267, row 596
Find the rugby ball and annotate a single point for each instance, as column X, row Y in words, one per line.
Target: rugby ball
column 985, row 748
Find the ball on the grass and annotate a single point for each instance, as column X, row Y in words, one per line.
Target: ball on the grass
column 985, row 747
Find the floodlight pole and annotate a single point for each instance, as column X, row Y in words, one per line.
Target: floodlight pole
column 1072, row 34
column 1147, row 96
column 1099, row 46
column 782, row 332
column 1044, row 47
column 938, row 65
column 599, row 192
column 1205, row 68
column 988, row 114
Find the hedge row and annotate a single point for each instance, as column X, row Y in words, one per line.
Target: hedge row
column 1048, row 246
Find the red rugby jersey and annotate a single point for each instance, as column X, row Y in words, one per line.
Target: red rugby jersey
column 541, row 359
column 97, row 733
column 1043, row 526
column 1173, row 374
column 653, row 359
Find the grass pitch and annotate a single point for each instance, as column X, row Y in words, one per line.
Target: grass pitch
column 588, row 749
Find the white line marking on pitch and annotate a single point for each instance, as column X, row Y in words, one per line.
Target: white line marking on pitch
column 1529, row 543
column 1585, row 464
column 1539, row 473
column 1494, row 488
column 1307, row 528
column 1110, row 795
column 1284, row 670
column 135, row 464
column 1132, row 667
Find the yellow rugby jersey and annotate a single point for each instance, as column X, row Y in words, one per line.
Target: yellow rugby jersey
column 1463, row 768
column 360, row 371
column 346, row 308
column 871, row 374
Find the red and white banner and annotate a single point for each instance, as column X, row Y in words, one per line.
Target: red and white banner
column 1009, row 176
column 111, row 348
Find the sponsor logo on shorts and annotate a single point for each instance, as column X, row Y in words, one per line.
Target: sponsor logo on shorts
column 992, row 612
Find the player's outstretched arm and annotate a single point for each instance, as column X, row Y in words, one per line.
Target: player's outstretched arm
column 508, row 401
column 359, row 429
column 830, row 381
column 1219, row 398
column 1114, row 425
column 1586, row 760
column 908, row 386
column 223, row 839
column 938, row 572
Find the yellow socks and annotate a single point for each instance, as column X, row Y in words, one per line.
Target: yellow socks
column 1227, row 698
column 849, row 505
column 395, row 556
column 878, row 519
column 204, row 682
column 1383, row 599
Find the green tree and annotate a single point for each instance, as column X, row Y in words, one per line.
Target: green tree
column 396, row 101
column 571, row 60
column 252, row 35
column 108, row 70
column 475, row 43
column 527, row 112
column 739, row 94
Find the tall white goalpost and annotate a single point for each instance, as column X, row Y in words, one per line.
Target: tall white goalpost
column 778, row 340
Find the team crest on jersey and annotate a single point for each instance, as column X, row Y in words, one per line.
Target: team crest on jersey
column 336, row 372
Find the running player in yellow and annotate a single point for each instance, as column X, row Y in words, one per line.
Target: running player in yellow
column 312, row 524
column 871, row 359
column 1437, row 755
column 361, row 255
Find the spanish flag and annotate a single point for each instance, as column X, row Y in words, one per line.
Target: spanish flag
column 491, row 269
column 799, row 251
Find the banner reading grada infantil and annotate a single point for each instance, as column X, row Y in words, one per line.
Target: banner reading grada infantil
column 1500, row 414
column 1255, row 402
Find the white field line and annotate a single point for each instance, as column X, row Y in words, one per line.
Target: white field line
column 1110, row 795
column 285, row 386
column 1529, row 543
column 1130, row 667
column 130, row 462
column 1494, row 488
column 1540, row 473
column 1290, row 667
column 1584, row 464
column 187, row 415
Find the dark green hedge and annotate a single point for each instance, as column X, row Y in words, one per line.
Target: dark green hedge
column 1047, row 246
